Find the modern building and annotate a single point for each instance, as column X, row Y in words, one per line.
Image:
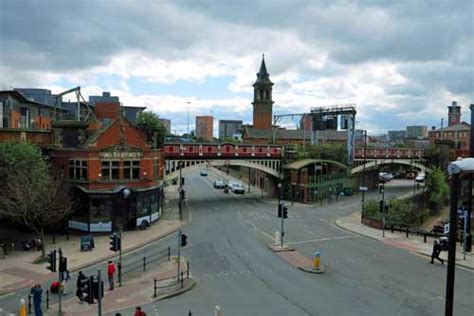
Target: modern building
column 417, row 132
column 167, row 124
column 43, row 96
column 132, row 113
column 229, row 128
column 204, row 127
column 397, row 136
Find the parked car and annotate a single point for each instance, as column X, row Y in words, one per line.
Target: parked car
column 219, row 184
column 204, row 173
column 237, row 187
column 385, row 176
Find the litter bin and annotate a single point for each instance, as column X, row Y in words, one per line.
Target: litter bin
column 87, row 243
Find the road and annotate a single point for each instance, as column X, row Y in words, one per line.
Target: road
column 228, row 238
column 227, row 248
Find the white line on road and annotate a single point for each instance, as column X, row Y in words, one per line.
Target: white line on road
column 320, row 239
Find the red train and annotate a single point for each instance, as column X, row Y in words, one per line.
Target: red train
column 222, row 150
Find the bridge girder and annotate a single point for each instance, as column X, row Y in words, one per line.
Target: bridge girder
column 374, row 163
column 192, row 165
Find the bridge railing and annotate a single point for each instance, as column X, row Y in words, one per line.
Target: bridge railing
column 410, row 153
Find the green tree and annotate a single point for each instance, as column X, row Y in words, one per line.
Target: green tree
column 437, row 190
column 323, row 151
column 155, row 131
column 370, row 209
column 29, row 193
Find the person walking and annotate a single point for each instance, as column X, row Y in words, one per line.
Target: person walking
column 37, row 293
column 110, row 274
column 436, row 252
column 81, row 278
column 139, row 312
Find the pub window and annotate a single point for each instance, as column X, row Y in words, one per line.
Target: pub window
column 110, row 170
column 78, row 169
column 131, row 170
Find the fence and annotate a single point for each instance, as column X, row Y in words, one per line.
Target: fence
column 142, row 262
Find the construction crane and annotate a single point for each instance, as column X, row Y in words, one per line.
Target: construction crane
column 79, row 97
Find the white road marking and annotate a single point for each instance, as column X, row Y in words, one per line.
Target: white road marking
column 320, row 239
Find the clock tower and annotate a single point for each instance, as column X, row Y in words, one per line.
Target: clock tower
column 262, row 99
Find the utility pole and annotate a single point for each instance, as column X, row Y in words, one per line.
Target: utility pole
column 448, row 309
column 179, row 253
column 99, row 293
column 60, row 292
column 363, row 178
column 120, row 256
column 249, row 181
column 383, row 207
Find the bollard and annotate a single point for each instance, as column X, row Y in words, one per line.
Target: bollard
column 29, row 304
column 154, row 288
column 217, row 311
column 391, row 228
column 424, row 238
column 169, row 253
column 190, row 313
column 22, row 309
column 119, row 268
column 407, row 232
column 317, row 260
column 144, row 263
column 182, row 279
column 54, row 238
column 187, row 269
column 47, row 299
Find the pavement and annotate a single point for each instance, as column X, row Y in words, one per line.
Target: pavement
column 18, row 271
column 414, row 244
column 137, row 290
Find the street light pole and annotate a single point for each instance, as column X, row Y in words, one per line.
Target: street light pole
column 279, row 208
column 363, row 179
column 448, row 309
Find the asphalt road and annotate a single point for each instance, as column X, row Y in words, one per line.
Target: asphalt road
column 227, row 248
column 228, row 238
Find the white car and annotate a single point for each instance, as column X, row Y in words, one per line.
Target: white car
column 385, row 176
column 237, row 187
column 420, row 178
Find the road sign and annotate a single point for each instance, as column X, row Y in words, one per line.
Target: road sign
column 365, row 189
column 446, row 228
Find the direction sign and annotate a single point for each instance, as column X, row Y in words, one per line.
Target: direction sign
column 365, row 189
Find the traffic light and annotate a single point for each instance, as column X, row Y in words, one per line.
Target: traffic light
column 51, row 259
column 183, row 194
column 381, row 206
column 62, row 264
column 95, row 289
column 183, row 241
column 460, row 223
column 284, row 211
column 115, row 242
column 380, row 189
column 280, row 208
column 182, row 180
column 87, row 290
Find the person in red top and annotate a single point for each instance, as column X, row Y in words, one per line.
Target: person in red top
column 110, row 274
column 139, row 312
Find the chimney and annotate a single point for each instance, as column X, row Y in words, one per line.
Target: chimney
column 454, row 114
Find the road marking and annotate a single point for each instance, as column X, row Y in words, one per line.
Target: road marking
column 320, row 239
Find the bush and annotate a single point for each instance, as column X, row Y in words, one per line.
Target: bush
column 438, row 191
column 370, row 209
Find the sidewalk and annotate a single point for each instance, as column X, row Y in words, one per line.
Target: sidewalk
column 413, row 243
column 137, row 291
column 18, row 270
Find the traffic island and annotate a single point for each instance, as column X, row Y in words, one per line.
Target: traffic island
column 279, row 248
column 312, row 269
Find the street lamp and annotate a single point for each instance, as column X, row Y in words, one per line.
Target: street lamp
column 455, row 169
column 363, row 180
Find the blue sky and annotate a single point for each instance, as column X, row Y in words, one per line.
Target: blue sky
column 401, row 62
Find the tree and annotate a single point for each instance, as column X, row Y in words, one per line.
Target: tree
column 155, row 131
column 323, row 151
column 30, row 194
column 437, row 190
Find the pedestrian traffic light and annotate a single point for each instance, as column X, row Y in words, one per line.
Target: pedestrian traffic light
column 62, row 264
column 280, row 208
column 183, row 241
column 380, row 189
column 87, row 291
column 183, row 194
column 182, row 180
column 460, row 223
column 284, row 211
column 381, row 208
column 114, row 242
column 95, row 289
column 51, row 260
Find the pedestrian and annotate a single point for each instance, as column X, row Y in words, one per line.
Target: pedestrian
column 436, row 252
column 139, row 312
column 81, row 278
column 110, row 274
column 37, row 293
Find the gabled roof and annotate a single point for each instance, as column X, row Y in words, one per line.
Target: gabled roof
column 22, row 98
column 463, row 126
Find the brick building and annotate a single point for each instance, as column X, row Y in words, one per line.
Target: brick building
column 204, row 127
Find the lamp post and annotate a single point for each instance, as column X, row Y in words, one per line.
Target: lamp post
column 455, row 169
column 279, row 208
column 363, row 180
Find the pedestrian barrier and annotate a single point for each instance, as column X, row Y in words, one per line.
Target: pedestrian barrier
column 143, row 262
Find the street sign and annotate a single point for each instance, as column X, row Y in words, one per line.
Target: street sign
column 365, row 189
column 446, row 228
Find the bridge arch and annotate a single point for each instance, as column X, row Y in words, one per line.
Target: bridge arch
column 373, row 164
column 269, row 166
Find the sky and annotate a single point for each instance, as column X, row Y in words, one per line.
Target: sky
column 401, row 62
